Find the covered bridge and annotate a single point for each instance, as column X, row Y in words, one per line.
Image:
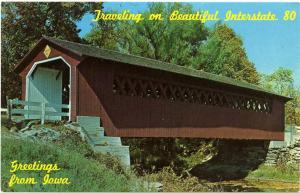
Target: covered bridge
column 141, row 97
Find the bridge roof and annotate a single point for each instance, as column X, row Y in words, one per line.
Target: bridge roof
column 83, row 50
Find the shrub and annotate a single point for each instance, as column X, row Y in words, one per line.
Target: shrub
column 174, row 183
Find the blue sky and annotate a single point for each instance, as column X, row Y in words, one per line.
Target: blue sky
column 269, row 45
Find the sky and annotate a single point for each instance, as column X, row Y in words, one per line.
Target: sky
column 269, row 44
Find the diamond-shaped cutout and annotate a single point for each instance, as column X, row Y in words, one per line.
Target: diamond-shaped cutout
column 149, row 91
column 47, row 51
column 157, row 92
column 115, row 88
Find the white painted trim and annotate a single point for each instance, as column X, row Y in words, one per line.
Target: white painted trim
column 45, row 61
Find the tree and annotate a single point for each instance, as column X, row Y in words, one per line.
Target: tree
column 25, row 23
column 297, row 106
column 223, row 54
column 281, row 82
column 170, row 41
column 104, row 34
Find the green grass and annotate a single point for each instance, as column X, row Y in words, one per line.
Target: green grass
column 289, row 173
column 84, row 174
column 86, row 171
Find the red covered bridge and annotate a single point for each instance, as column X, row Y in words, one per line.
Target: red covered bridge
column 141, row 97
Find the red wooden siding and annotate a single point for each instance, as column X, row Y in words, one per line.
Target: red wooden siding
column 136, row 116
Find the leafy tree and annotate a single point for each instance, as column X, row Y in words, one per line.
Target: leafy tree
column 170, row 41
column 281, row 81
column 104, row 34
column 296, row 106
column 23, row 24
column 223, row 54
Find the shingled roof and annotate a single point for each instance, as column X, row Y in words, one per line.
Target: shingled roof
column 83, row 50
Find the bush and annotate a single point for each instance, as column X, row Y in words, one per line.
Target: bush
column 174, row 183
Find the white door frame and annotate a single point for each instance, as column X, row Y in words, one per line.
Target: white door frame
column 45, row 61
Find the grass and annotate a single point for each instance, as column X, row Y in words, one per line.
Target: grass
column 288, row 173
column 84, row 174
column 85, row 170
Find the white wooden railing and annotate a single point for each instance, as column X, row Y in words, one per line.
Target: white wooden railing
column 41, row 109
column 3, row 110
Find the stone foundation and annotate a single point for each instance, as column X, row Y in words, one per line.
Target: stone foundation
column 287, row 151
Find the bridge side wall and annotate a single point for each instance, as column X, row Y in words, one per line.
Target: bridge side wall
column 139, row 102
